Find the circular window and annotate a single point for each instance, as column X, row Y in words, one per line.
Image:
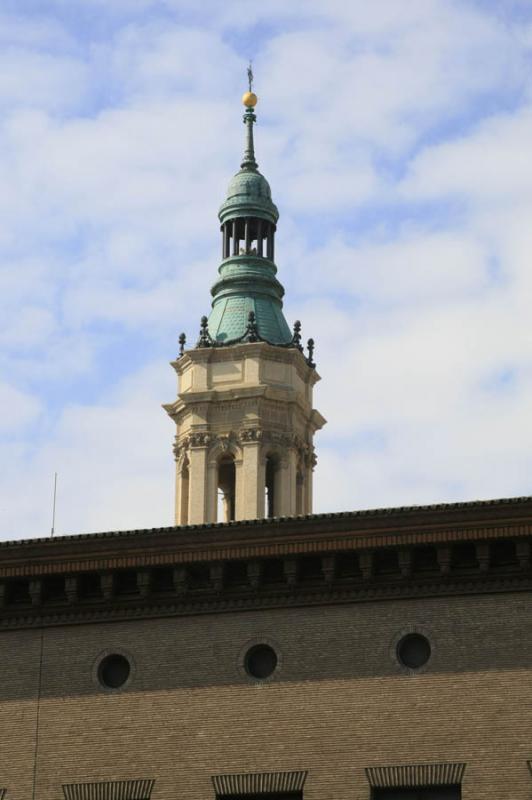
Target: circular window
column 114, row 671
column 260, row 661
column 413, row 651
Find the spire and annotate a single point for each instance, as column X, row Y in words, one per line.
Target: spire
column 250, row 100
column 248, row 162
column 247, row 283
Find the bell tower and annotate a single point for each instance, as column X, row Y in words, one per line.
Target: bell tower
column 244, row 417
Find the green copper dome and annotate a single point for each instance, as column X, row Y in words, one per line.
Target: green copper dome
column 247, row 281
column 249, row 194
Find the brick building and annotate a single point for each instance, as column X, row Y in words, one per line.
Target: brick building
column 276, row 655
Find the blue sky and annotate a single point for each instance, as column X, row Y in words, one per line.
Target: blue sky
column 396, row 138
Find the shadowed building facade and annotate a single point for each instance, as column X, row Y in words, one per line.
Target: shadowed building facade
column 275, row 655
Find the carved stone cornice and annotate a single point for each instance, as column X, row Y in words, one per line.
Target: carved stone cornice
column 218, row 601
column 249, row 350
column 382, row 555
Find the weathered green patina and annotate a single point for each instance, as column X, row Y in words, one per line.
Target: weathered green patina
column 247, row 281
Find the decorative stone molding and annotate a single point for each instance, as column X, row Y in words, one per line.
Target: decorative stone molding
column 287, row 595
column 225, row 444
column 222, row 446
column 139, row 789
column 258, row 783
column 284, row 440
column 251, row 435
column 180, row 447
column 200, row 439
column 407, row 775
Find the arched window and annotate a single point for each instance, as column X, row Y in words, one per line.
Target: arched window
column 226, row 489
column 184, row 492
column 270, row 499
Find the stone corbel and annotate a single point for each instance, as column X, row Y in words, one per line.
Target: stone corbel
column 180, row 579
column 328, row 565
column 483, row 555
column 290, row 571
column 144, row 582
column 522, row 549
column 405, row 562
column 254, row 569
column 366, row 564
column 217, row 576
column 35, row 590
column 444, row 559
column 71, row 589
column 107, row 584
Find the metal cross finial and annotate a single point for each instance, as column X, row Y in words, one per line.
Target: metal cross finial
column 250, row 77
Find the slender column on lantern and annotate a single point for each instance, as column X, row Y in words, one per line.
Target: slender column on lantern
column 259, row 237
column 235, row 238
column 269, row 242
column 224, row 240
column 247, row 234
column 230, row 232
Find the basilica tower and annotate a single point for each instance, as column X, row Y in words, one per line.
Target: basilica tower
column 244, row 416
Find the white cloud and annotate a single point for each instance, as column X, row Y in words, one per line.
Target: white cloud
column 17, row 409
column 490, row 166
column 113, row 459
column 396, row 141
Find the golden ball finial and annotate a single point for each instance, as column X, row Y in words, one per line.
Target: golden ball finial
column 250, row 99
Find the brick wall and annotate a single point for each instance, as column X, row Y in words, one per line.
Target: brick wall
column 338, row 703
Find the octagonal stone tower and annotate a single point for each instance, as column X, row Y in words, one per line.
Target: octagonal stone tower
column 244, row 415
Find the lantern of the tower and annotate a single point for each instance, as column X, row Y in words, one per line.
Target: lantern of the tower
column 244, row 416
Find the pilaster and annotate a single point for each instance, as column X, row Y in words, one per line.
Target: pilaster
column 250, row 491
column 197, row 502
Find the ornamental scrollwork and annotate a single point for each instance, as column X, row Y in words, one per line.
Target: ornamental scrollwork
column 200, row 439
column 251, row 435
column 180, row 447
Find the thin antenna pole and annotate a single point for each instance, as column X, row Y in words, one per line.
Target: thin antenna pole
column 53, row 509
